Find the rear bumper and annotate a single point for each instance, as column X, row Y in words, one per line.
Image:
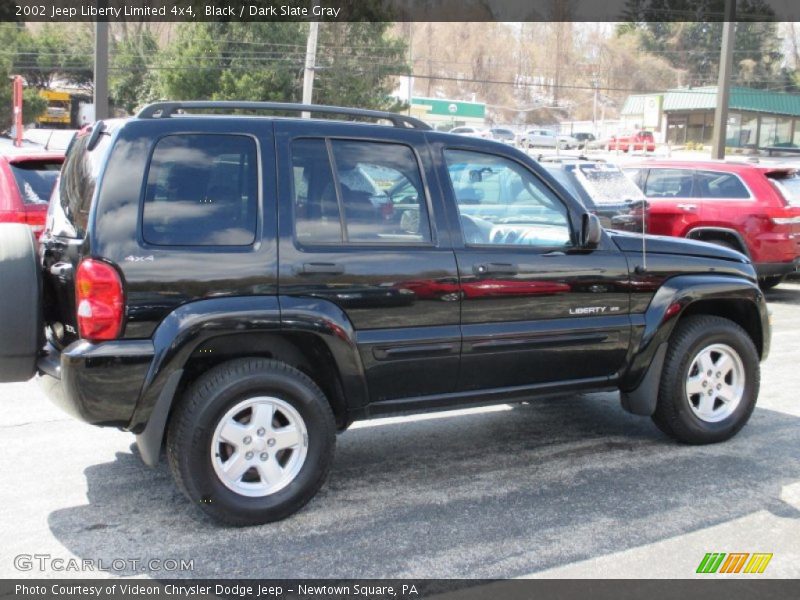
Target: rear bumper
column 96, row 383
column 776, row 269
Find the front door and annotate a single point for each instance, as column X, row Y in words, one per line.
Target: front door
column 536, row 309
column 361, row 229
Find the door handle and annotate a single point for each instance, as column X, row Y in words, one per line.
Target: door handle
column 687, row 207
column 321, row 269
column 488, row 268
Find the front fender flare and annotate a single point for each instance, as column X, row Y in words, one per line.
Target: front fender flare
column 639, row 384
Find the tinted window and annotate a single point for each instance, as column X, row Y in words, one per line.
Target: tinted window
column 69, row 212
column 669, row 183
column 720, row 185
column 377, row 196
column 789, row 186
column 500, row 202
column 35, row 180
column 316, row 207
column 202, row 190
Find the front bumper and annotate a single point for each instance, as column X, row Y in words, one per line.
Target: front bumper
column 96, row 383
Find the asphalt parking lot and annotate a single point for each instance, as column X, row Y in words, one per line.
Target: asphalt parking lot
column 572, row 487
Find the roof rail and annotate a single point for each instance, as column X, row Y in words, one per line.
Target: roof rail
column 160, row 110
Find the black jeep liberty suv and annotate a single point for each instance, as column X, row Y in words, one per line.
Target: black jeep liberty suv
column 237, row 285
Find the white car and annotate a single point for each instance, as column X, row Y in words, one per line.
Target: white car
column 547, row 138
column 471, row 131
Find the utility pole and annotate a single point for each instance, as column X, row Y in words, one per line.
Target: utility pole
column 724, row 82
column 311, row 60
column 100, row 70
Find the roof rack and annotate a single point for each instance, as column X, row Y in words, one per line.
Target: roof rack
column 161, row 110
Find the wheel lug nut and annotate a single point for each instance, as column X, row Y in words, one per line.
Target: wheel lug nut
column 719, row 386
column 271, row 442
column 249, row 456
column 719, row 374
column 709, row 373
column 705, row 383
column 264, row 456
column 247, row 439
column 260, row 431
column 710, row 392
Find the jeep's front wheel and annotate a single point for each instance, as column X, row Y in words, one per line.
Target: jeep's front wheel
column 709, row 383
column 252, row 441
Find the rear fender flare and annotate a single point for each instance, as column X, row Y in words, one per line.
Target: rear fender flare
column 184, row 330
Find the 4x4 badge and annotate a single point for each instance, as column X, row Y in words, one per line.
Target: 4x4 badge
column 132, row 258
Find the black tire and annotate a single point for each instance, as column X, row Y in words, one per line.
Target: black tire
column 20, row 303
column 206, row 402
column 767, row 283
column 673, row 414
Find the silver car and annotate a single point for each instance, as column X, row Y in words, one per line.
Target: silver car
column 547, row 138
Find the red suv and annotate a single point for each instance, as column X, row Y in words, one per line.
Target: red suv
column 27, row 178
column 637, row 140
column 749, row 207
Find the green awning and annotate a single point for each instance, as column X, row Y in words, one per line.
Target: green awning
column 705, row 98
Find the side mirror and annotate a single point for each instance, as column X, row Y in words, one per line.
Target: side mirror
column 591, row 231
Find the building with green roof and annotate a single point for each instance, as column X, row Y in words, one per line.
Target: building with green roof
column 756, row 118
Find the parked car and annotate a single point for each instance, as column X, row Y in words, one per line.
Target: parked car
column 502, row 134
column 189, row 290
column 546, row 138
column 584, row 139
column 752, row 208
column 636, row 140
column 603, row 189
column 471, row 131
column 27, row 177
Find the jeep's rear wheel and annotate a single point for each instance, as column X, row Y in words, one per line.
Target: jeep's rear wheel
column 709, row 383
column 20, row 303
column 252, row 441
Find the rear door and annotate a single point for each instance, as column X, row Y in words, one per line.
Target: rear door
column 536, row 309
column 674, row 204
column 361, row 227
column 726, row 201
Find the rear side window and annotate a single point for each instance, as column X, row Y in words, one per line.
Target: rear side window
column 68, row 213
column 35, row 179
column 202, row 190
column 375, row 197
column 669, row 183
column 789, row 186
column 720, row 185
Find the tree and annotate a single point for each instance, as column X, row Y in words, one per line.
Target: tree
column 131, row 82
column 264, row 61
column 694, row 47
column 55, row 54
column 33, row 105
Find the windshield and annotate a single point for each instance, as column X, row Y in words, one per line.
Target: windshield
column 606, row 184
column 789, row 185
column 35, row 180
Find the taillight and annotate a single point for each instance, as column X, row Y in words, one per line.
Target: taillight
column 786, row 220
column 100, row 300
column 387, row 210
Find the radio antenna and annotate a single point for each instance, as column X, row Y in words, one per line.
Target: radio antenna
column 644, row 237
